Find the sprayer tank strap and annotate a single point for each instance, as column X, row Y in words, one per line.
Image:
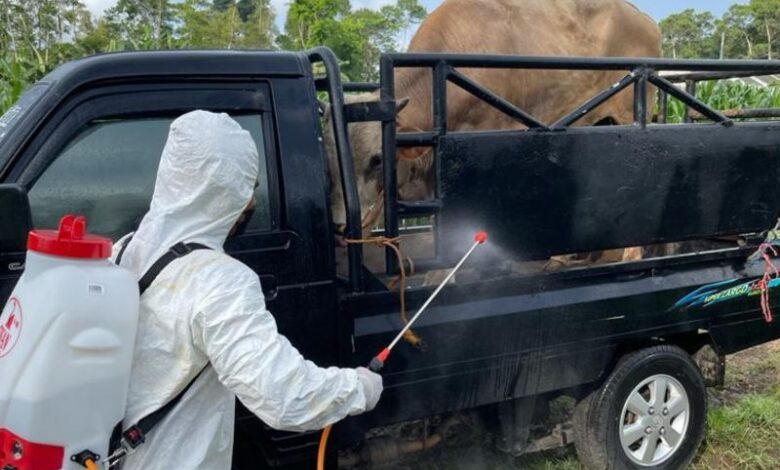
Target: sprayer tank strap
column 177, row 251
column 135, row 435
column 118, row 260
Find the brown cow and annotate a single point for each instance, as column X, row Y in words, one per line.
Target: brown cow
column 513, row 27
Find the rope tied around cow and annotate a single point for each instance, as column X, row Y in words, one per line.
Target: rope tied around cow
column 394, row 244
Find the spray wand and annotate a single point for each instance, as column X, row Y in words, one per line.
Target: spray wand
column 378, row 362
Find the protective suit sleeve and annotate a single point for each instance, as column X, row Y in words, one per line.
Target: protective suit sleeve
column 268, row 375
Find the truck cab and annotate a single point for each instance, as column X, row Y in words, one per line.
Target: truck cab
column 87, row 139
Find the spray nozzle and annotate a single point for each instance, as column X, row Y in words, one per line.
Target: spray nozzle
column 481, row 237
column 378, row 362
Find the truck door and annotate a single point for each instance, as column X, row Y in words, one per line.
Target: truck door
column 13, row 236
column 98, row 155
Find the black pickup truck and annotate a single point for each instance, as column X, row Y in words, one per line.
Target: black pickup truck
column 633, row 343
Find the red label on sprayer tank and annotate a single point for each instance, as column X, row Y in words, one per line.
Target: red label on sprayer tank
column 10, row 325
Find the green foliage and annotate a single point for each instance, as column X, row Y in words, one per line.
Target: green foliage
column 34, row 39
column 205, row 25
column 738, row 34
column 767, row 14
column 728, row 95
column 38, row 35
column 357, row 37
column 226, row 24
column 749, row 30
column 688, row 34
column 142, row 24
column 15, row 76
column 743, row 435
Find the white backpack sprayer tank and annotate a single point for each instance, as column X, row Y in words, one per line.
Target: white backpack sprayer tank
column 66, row 347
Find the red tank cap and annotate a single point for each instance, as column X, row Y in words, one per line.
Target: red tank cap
column 70, row 241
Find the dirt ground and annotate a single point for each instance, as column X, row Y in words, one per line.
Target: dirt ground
column 755, row 371
column 743, row 414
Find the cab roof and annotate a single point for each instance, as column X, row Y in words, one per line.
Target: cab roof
column 178, row 63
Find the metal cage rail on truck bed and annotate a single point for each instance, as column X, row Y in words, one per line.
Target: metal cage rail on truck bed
column 738, row 161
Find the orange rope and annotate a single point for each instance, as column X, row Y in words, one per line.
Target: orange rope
column 771, row 272
column 392, row 243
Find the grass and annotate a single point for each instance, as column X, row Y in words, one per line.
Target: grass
column 562, row 463
column 744, row 435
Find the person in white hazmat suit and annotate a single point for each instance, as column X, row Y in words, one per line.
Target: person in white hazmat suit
column 208, row 308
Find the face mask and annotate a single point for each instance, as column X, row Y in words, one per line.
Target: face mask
column 243, row 223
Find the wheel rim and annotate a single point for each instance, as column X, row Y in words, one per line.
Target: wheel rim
column 654, row 420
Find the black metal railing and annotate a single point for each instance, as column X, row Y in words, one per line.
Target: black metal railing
column 444, row 68
column 332, row 84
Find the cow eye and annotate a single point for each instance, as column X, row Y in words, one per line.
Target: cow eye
column 375, row 162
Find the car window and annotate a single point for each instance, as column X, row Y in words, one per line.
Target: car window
column 107, row 173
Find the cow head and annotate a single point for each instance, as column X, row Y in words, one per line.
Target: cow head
column 366, row 142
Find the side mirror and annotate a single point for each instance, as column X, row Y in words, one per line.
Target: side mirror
column 15, row 218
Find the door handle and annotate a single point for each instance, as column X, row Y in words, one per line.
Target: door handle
column 11, row 264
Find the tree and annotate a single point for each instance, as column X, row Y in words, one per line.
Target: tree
column 405, row 15
column 689, row 34
column 247, row 7
column 259, row 30
column 36, row 36
column 206, row 24
column 357, row 37
column 739, row 26
column 313, row 22
column 143, row 24
column 767, row 14
column 41, row 30
column 104, row 36
column 223, row 5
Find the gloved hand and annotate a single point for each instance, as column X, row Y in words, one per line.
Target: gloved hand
column 372, row 386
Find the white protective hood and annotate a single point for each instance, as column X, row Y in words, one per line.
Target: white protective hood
column 206, row 312
column 206, row 179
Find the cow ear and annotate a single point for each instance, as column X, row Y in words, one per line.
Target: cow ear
column 401, row 104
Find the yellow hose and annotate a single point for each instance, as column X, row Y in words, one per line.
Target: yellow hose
column 323, row 447
column 90, row 464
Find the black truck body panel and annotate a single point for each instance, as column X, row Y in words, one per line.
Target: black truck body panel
column 507, row 338
column 494, row 336
column 609, row 186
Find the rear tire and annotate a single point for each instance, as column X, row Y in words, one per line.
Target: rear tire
column 650, row 413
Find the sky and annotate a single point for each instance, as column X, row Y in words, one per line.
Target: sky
column 658, row 9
